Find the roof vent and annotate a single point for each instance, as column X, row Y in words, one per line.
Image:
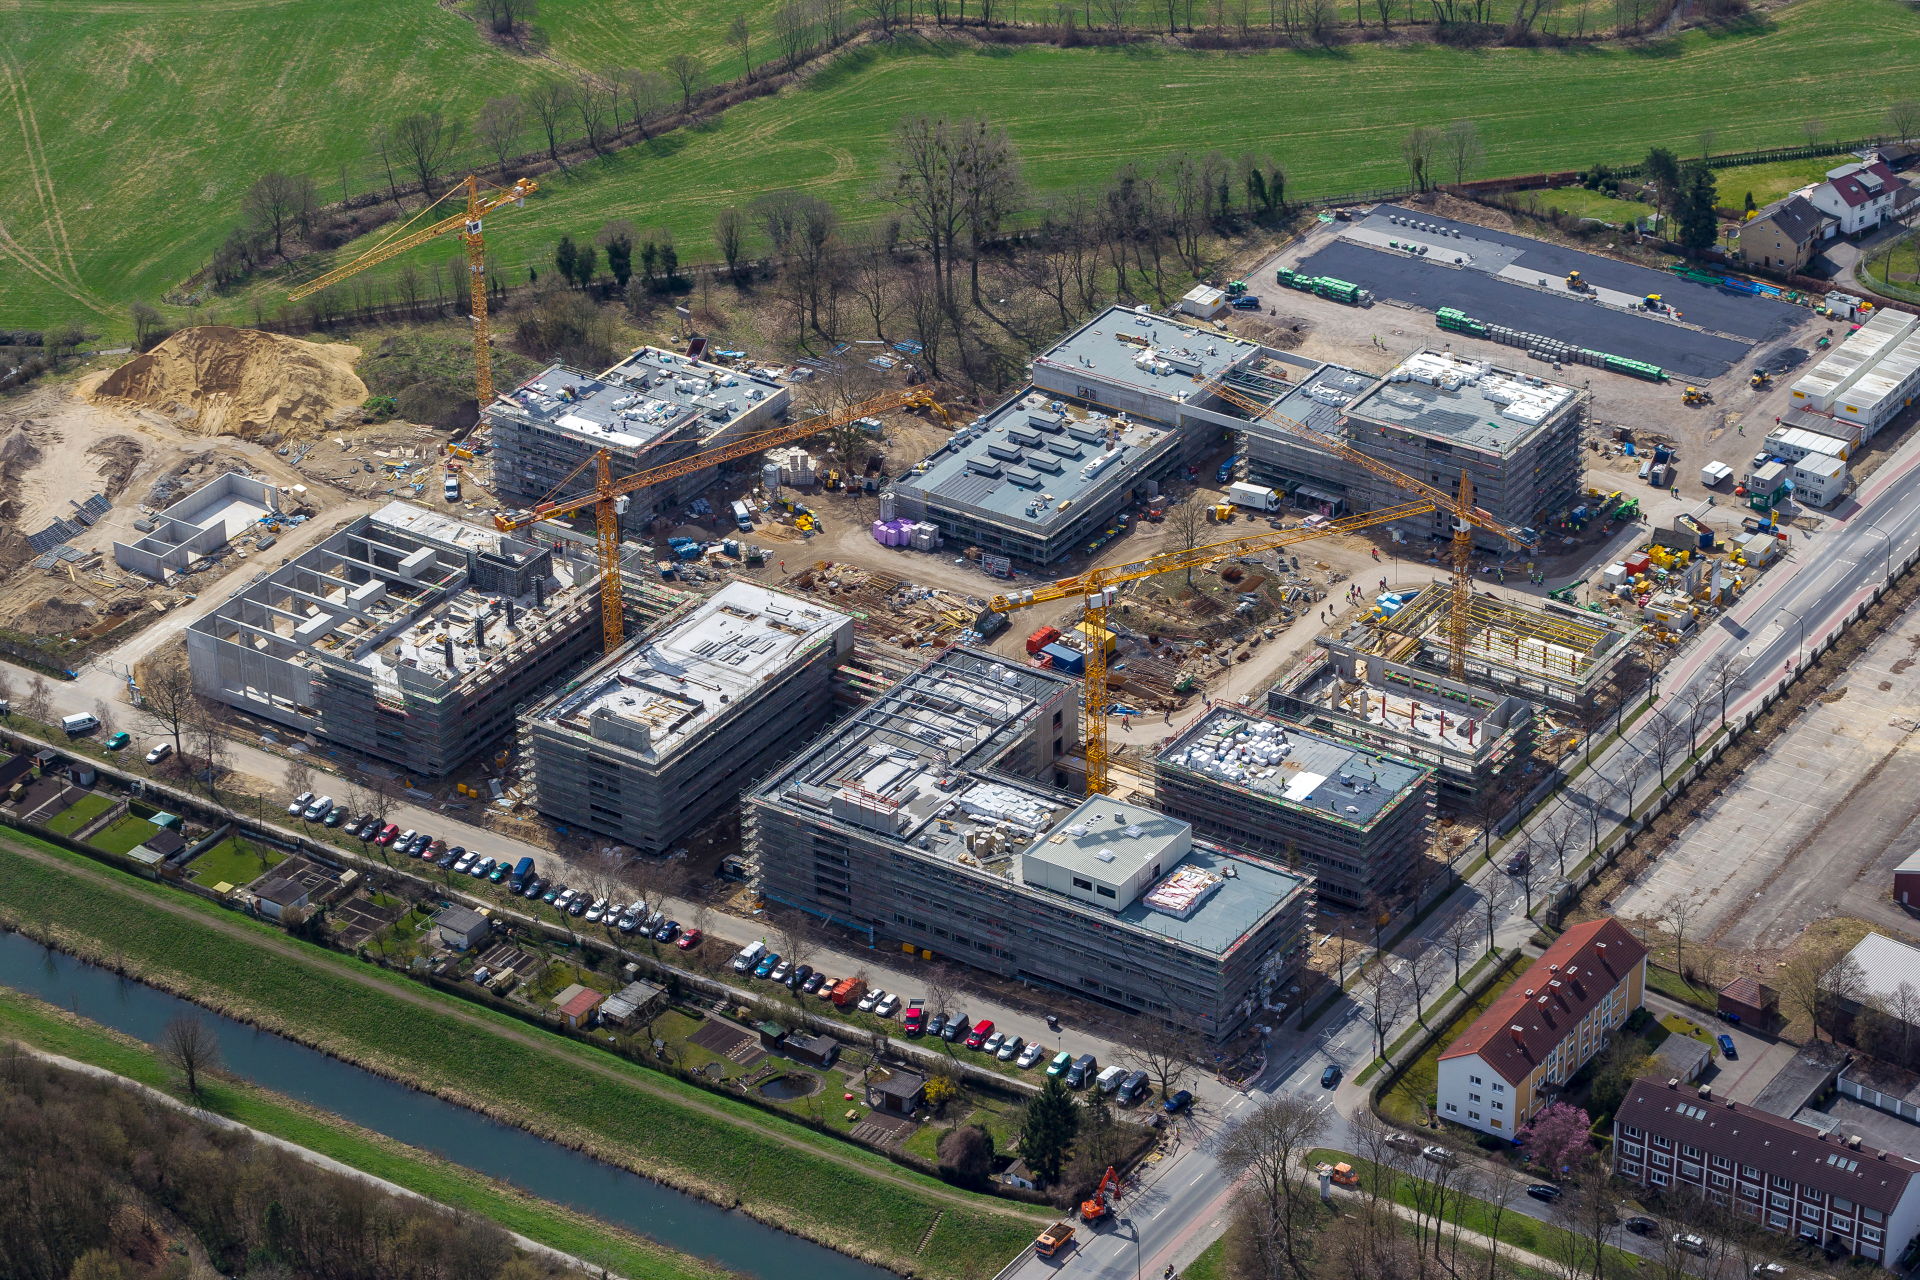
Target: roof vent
column 1673, row 1082
column 1853, row 1141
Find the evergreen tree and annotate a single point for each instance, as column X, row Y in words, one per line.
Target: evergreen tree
column 585, row 264
column 1699, row 224
column 1663, row 171
column 566, row 257
column 620, row 259
column 1048, row 1128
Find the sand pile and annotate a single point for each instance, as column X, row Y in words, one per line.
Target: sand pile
column 241, row 382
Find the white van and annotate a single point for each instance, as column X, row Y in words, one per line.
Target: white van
column 82, row 723
column 749, row 956
column 1111, row 1078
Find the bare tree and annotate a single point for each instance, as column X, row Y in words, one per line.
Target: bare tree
column 1460, row 940
column 1705, row 138
column 1903, row 119
column 167, row 702
column 36, row 700
column 1560, row 835
column 1813, row 129
column 590, row 108
column 498, row 127
column 1421, row 979
column 1676, row 914
column 741, row 38
column 1166, row 1055
column 1266, row 1154
column 1670, row 735
column 1460, row 140
column 1496, row 893
column 1418, row 149
column 886, row 14
column 297, row 776
column 189, row 1047
column 425, row 141
column 685, row 71
column 730, row 238
column 505, row 17
column 1383, row 998
column 1819, row 981
column 792, row 31
column 278, row 202
column 550, row 101
column 1187, row 527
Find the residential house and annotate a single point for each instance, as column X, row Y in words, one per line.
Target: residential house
column 462, row 927
column 1906, row 882
column 1859, row 197
column 278, row 895
column 577, row 1003
column 1542, row 1029
column 1784, row 235
column 896, row 1092
column 1827, row 1189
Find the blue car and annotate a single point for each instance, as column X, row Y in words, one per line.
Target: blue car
column 1726, row 1047
column 1178, row 1102
column 765, row 967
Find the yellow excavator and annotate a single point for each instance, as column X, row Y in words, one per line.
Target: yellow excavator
column 1761, row 378
column 1696, row 395
column 1577, row 283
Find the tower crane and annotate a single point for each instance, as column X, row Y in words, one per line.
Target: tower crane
column 608, row 496
column 1466, row 516
column 1095, row 589
column 467, row 223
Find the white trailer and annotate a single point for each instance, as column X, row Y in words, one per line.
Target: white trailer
column 1255, row 496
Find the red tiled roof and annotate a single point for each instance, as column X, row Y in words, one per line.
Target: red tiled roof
column 1769, row 1143
column 1549, row 999
column 1856, row 193
column 1746, row 990
column 583, row 1004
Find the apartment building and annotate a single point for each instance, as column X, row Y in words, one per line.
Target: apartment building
column 1539, row 1031
column 1828, row 1189
column 925, row 819
column 1353, row 817
column 408, row 636
column 653, row 408
column 658, row 737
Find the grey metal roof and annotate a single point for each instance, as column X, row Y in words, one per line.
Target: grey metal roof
column 1470, row 413
column 1249, row 892
column 1341, row 779
column 1885, row 966
column 1796, row 217
column 1109, row 346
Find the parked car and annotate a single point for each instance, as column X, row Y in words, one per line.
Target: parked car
column 1061, row 1061
column 1689, row 1242
column 1010, row 1048
column 811, row 986
column 1768, row 1269
column 1642, row 1226
column 388, row 834
column 423, row 845
column 914, row 1020
column 482, row 867
column 779, row 971
column 1727, row 1046
column 1178, row 1102
column 1330, row 1078
column 1544, row 1191
column 1439, row 1155
column 551, row 894
column 825, row 990
column 765, row 966
column 335, row 817
column 690, row 939
column 160, row 751
column 562, row 898
column 991, row 1045
column 1030, row 1057
column 498, row 872
column 405, row 843
column 299, row 803
column 630, row 920
column 596, row 910
column 1082, row 1072
column 1132, row 1089
column 578, row 907
column 887, row 1005
column 1404, row 1141
column 463, row 862
column 799, row 976
column 535, row 886
column 978, row 1036
column 937, row 1026
column 957, row 1028
column 667, row 932
column 870, row 999
column 119, row 741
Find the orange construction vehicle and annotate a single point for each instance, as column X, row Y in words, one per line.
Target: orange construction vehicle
column 1053, row 1239
column 1342, row 1173
column 1101, row 1204
column 847, row 992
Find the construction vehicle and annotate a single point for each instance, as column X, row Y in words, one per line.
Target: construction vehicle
column 467, row 223
column 1342, row 1174
column 1578, row 283
column 608, row 496
column 1696, row 395
column 1100, row 1204
column 1053, row 1239
column 1654, row 302
column 921, row 398
column 1760, row 378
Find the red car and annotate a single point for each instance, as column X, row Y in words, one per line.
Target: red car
column 689, row 940
column 914, row 1020
column 388, row 834
column 981, row 1030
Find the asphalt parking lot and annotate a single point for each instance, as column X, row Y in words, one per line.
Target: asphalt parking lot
column 1685, row 352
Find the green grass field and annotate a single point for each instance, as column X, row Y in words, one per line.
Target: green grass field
column 139, row 131
column 1768, row 182
column 637, row 1114
column 38, row 1024
column 123, row 836
column 79, row 814
column 233, row 861
column 1582, row 203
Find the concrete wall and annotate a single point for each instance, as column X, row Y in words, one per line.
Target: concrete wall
column 188, row 529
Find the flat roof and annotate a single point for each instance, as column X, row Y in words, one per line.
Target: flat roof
column 676, row 681
column 1293, row 766
column 639, row 401
column 1465, row 402
column 1037, row 460
column 1146, row 352
column 1249, row 891
column 1111, row 840
column 1307, row 391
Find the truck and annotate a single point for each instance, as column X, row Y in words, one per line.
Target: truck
column 452, row 487
column 742, row 518
column 1053, row 1239
column 1254, row 496
column 847, row 992
column 522, row 872
column 1714, row 473
column 1227, row 469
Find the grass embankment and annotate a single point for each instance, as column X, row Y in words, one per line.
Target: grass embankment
column 714, row 1146
column 126, row 99
column 1405, row 1102
column 40, row 1025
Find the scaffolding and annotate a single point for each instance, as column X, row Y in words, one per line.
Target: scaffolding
column 1548, row 651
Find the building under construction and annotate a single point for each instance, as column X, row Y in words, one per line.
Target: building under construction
column 925, row 819
column 1541, row 650
column 653, row 408
column 408, row 636
column 663, row 734
column 1472, row 738
column 1353, row 817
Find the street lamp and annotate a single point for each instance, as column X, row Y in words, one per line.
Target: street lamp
column 1800, row 636
column 1886, row 551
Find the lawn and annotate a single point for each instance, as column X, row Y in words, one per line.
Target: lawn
column 1768, row 182
column 37, row 1024
column 1895, row 269
column 1405, row 1101
column 1670, row 984
column 233, row 861
column 124, row 106
column 638, row 1117
column 79, row 813
column 124, row 835
column 1582, row 203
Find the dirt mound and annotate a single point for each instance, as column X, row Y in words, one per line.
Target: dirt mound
column 241, row 382
column 119, row 458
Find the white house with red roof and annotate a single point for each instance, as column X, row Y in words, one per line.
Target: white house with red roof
column 1859, row 197
column 1543, row 1028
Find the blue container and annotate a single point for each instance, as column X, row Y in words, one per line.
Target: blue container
column 1071, row 661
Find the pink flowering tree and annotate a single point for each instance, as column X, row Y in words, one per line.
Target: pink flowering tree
column 1558, row 1137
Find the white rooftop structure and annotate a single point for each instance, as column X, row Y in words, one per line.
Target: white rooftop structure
column 1106, row 852
column 670, row 686
column 1823, row 387
column 1885, row 966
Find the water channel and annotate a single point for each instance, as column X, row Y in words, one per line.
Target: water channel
column 462, row 1136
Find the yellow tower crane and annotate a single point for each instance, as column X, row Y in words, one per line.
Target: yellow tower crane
column 608, row 496
column 1466, row 516
column 468, row 224
column 1095, row 590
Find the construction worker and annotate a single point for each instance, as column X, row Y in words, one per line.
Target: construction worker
column 1375, row 551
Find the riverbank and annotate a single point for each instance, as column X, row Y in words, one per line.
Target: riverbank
column 722, row 1150
column 44, row 1029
